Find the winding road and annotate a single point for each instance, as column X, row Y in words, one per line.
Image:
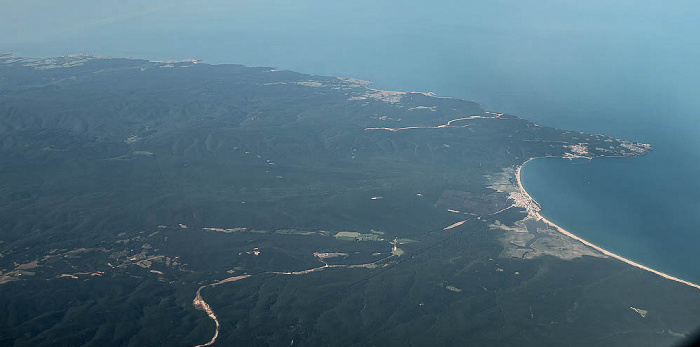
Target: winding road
column 200, row 304
column 446, row 125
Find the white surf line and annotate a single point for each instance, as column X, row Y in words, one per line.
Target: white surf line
column 200, row 304
column 446, row 125
column 589, row 244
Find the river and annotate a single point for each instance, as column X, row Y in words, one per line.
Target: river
column 625, row 69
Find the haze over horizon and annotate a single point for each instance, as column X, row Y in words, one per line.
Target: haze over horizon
column 619, row 75
column 523, row 58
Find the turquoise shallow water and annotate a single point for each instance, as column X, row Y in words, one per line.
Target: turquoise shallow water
column 625, row 69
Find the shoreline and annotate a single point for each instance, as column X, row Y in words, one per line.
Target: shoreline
column 365, row 84
column 602, row 250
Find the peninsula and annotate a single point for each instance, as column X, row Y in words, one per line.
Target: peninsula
column 182, row 203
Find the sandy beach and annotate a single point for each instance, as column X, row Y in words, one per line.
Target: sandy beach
column 538, row 216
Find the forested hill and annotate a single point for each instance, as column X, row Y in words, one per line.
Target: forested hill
column 348, row 215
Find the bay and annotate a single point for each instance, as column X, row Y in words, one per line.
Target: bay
column 641, row 208
column 626, row 69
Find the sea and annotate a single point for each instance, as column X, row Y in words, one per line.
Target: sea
column 626, row 68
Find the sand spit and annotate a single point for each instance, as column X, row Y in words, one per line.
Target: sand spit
column 538, row 216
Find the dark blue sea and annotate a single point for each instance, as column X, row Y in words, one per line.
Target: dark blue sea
column 626, row 69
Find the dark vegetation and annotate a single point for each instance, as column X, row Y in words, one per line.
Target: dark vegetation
column 111, row 155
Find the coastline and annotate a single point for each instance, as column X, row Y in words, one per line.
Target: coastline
column 604, row 251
